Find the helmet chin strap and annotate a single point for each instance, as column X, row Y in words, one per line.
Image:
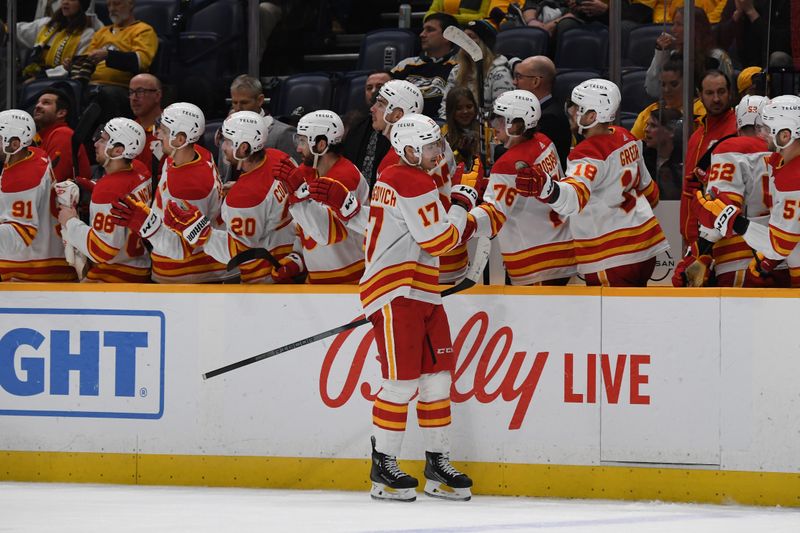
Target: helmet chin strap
column 582, row 128
column 388, row 127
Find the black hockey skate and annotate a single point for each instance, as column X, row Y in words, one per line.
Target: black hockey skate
column 388, row 481
column 444, row 481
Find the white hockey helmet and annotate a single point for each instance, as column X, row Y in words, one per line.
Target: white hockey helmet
column 518, row 104
column 782, row 113
column 16, row 124
column 186, row 118
column 126, row 132
column 416, row 131
column 322, row 123
column 748, row 111
column 598, row 95
column 401, row 94
column 245, row 127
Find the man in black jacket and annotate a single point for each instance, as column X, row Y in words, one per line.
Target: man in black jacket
column 537, row 74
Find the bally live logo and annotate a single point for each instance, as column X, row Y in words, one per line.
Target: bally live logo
column 488, row 369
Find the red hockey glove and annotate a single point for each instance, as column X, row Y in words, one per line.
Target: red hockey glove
column 291, row 266
column 335, row 195
column 762, row 267
column 533, row 181
column 135, row 215
column 692, row 271
column 714, row 213
column 191, row 223
column 464, row 196
column 294, row 178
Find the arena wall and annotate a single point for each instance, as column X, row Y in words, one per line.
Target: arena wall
column 668, row 394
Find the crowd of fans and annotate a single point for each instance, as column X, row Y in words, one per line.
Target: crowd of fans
column 732, row 56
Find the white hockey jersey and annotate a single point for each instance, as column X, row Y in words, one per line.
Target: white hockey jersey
column 535, row 241
column 117, row 254
column 409, row 229
column 196, row 182
column 740, row 176
column 256, row 215
column 332, row 251
column 607, row 195
column 30, row 241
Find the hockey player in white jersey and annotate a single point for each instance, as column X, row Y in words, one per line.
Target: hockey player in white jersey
column 535, row 240
column 30, row 247
column 738, row 174
column 326, row 247
column 608, row 194
column 254, row 211
column 188, row 174
column 117, row 254
column 409, row 230
column 777, row 241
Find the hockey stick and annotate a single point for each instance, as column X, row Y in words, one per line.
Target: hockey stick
column 463, row 41
column 474, row 273
column 251, row 254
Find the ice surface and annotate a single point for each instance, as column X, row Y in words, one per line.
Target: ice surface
column 67, row 508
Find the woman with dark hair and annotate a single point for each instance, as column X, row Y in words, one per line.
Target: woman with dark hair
column 706, row 55
column 52, row 40
column 462, row 130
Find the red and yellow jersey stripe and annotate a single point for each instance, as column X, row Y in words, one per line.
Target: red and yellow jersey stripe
column 346, row 275
column 442, row 243
column 783, row 241
column 113, row 273
column 619, row 242
column 539, row 258
column 39, row 270
column 409, row 274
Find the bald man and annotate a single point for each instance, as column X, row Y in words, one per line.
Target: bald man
column 537, row 75
column 144, row 97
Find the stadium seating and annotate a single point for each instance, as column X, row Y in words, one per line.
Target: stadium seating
column 350, row 93
column 566, row 80
column 641, row 44
column 377, row 45
column 583, row 48
column 157, row 13
column 226, row 19
column 31, row 90
column 310, row 91
column 634, row 97
column 522, row 42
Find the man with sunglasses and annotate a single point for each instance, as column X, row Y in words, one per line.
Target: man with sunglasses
column 326, row 248
column 536, row 75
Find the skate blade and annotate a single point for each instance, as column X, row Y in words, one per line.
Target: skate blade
column 435, row 489
column 383, row 492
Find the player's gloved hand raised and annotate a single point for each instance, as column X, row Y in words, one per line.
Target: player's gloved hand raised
column 335, row 195
column 190, row 222
column 714, row 213
column 291, row 267
column 533, row 181
column 295, row 178
column 464, row 196
column 135, row 215
column 761, row 266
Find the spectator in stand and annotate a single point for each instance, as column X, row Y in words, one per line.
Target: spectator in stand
column 496, row 70
column 466, row 11
column 719, row 122
column 462, row 129
column 671, row 98
column 144, row 94
column 662, row 152
column 558, row 16
column 747, row 24
column 670, row 46
column 745, row 83
column 52, row 40
column 430, row 71
column 117, row 52
column 54, row 135
column 664, row 13
column 537, row 74
column 362, row 145
column 248, row 95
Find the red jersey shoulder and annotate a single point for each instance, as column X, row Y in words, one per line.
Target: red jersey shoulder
column 26, row 174
column 192, row 181
column 787, row 176
column 113, row 186
column 346, row 173
column 391, row 158
column 526, row 151
column 597, row 147
column 273, row 158
column 409, row 182
column 741, row 145
column 251, row 188
column 141, row 168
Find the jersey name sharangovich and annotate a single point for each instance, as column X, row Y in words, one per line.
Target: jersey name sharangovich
column 408, row 230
